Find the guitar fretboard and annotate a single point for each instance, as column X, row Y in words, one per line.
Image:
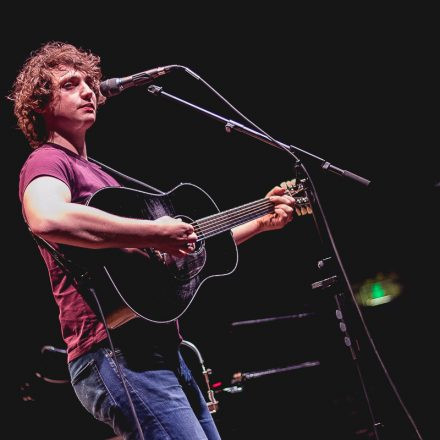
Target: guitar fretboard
column 223, row 221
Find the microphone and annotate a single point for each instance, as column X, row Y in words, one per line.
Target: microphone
column 114, row 86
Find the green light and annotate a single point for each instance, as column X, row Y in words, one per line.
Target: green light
column 377, row 291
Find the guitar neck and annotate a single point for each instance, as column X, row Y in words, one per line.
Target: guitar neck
column 224, row 221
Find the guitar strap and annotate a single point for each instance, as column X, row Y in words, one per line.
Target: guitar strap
column 125, row 177
column 80, row 274
column 76, row 273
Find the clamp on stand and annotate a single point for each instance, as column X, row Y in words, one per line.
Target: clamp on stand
column 212, row 402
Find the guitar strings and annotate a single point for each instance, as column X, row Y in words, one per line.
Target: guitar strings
column 235, row 213
column 218, row 217
column 217, row 223
column 222, row 226
column 292, row 192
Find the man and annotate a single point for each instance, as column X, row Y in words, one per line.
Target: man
column 56, row 96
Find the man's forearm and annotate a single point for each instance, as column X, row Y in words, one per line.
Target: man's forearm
column 88, row 227
column 246, row 231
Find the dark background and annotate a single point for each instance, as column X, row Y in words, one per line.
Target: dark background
column 354, row 92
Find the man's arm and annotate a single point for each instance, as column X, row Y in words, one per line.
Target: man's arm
column 52, row 216
column 283, row 214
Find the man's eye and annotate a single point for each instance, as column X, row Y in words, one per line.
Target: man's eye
column 93, row 85
column 67, row 85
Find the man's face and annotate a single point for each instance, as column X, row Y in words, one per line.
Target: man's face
column 74, row 106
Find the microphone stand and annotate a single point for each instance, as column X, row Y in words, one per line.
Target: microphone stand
column 233, row 125
column 331, row 282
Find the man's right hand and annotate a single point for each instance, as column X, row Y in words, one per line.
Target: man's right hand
column 176, row 237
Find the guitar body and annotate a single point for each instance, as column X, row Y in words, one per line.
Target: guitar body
column 146, row 283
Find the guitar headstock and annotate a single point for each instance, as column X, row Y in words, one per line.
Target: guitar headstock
column 303, row 205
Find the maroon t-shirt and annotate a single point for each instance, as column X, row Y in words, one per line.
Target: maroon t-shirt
column 80, row 327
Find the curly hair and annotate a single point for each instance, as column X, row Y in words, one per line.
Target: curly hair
column 33, row 88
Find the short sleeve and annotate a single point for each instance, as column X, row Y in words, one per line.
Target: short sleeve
column 45, row 162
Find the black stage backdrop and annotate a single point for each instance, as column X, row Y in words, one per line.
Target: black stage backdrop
column 354, row 94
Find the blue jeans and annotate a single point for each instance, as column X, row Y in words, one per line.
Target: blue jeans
column 168, row 402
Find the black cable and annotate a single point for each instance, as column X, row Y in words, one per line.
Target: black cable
column 118, row 367
column 82, row 278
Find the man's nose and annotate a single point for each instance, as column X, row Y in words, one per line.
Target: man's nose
column 86, row 91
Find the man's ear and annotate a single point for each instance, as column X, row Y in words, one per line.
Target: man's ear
column 46, row 110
